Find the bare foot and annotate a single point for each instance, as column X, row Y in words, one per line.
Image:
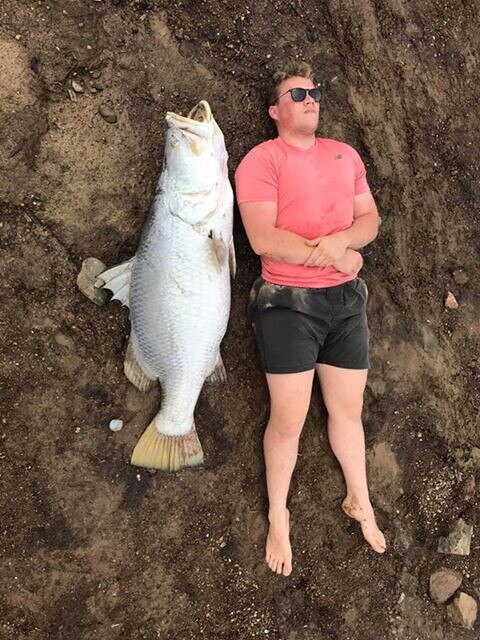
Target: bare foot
column 278, row 554
column 366, row 518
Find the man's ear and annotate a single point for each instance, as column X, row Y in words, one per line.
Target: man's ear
column 272, row 112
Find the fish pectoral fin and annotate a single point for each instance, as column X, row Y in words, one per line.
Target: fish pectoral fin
column 219, row 374
column 220, row 249
column 117, row 280
column 134, row 372
column 232, row 260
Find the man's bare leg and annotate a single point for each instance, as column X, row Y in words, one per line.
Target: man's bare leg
column 290, row 395
column 342, row 391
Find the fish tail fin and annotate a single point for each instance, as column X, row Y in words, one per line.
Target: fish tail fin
column 117, row 280
column 219, row 374
column 157, row 450
column 134, row 372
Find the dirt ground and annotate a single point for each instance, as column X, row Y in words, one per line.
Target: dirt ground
column 92, row 547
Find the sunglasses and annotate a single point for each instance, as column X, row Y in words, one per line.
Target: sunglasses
column 299, row 95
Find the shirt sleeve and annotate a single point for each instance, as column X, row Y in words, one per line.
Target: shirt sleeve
column 256, row 177
column 361, row 184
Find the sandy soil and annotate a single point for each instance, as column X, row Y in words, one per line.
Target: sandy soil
column 94, row 548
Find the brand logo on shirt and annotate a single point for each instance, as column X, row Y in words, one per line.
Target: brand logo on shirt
column 338, row 156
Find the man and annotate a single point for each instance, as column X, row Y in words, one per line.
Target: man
column 306, row 208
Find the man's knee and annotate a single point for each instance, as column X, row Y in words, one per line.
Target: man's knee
column 285, row 427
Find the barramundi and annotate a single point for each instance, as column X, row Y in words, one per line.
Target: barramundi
column 177, row 287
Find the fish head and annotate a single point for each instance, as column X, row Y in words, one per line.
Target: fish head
column 192, row 163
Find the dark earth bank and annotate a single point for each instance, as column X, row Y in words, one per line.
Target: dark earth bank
column 92, row 547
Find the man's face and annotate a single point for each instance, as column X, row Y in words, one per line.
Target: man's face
column 295, row 117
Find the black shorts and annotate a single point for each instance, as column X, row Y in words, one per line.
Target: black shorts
column 296, row 328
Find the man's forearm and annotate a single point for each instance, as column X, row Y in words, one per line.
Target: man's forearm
column 363, row 230
column 284, row 246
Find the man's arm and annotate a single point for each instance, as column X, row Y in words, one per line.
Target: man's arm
column 259, row 220
column 364, row 229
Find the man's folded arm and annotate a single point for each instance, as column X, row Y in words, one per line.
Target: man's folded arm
column 266, row 239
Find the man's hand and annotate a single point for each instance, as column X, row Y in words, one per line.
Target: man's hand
column 350, row 263
column 327, row 250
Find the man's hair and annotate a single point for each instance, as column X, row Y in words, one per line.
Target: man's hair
column 288, row 69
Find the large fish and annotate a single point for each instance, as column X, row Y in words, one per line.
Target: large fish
column 177, row 287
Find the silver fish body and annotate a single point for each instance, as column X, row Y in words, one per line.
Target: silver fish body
column 179, row 286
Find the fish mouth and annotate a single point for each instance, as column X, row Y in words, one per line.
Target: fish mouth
column 200, row 114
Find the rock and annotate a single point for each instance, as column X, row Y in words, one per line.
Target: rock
column 107, row 113
column 458, row 540
column 443, row 584
column 460, row 276
column 63, row 340
column 115, row 425
column 312, row 34
column 451, row 301
column 91, row 268
column 77, row 87
column 475, row 457
column 34, row 62
column 377, row 386
column 463, row 610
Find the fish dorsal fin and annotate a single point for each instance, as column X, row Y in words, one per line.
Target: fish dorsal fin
column 134, row 372
column 117, row 280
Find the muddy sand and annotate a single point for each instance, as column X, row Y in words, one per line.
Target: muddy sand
column 92, row 547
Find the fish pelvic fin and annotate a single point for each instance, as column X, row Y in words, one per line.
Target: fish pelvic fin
column 220, row 250
column 117, row 280
column 134, row 372
column 232, row 260
column 219, row 374
column 156, row 450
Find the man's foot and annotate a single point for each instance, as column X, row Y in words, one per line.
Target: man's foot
column 366, row 518
column 278, row 554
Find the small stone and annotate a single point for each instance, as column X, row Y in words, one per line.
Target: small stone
column 460, row 276
column 458, row 540
column 312, row 34
column 443, row 584
column 63, row 340
column 475, row 457
column 463, row 610
column 107, row 113
column 115, row 425
column 77, row 87
column 451, row 301
column 91, row 269
column 18, row 37
column 34, row 62
column 377, row 386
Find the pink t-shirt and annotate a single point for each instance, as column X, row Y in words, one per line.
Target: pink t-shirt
column 314, row 191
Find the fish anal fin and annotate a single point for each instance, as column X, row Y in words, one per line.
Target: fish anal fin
column 157, row 450
column 219, row 374
column 134, row 372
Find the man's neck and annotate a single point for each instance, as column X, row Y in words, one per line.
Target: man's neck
column 302, row 141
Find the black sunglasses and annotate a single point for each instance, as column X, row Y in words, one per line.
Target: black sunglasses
column 298, row 94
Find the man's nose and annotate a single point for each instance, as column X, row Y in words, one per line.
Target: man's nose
column 308, row 99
